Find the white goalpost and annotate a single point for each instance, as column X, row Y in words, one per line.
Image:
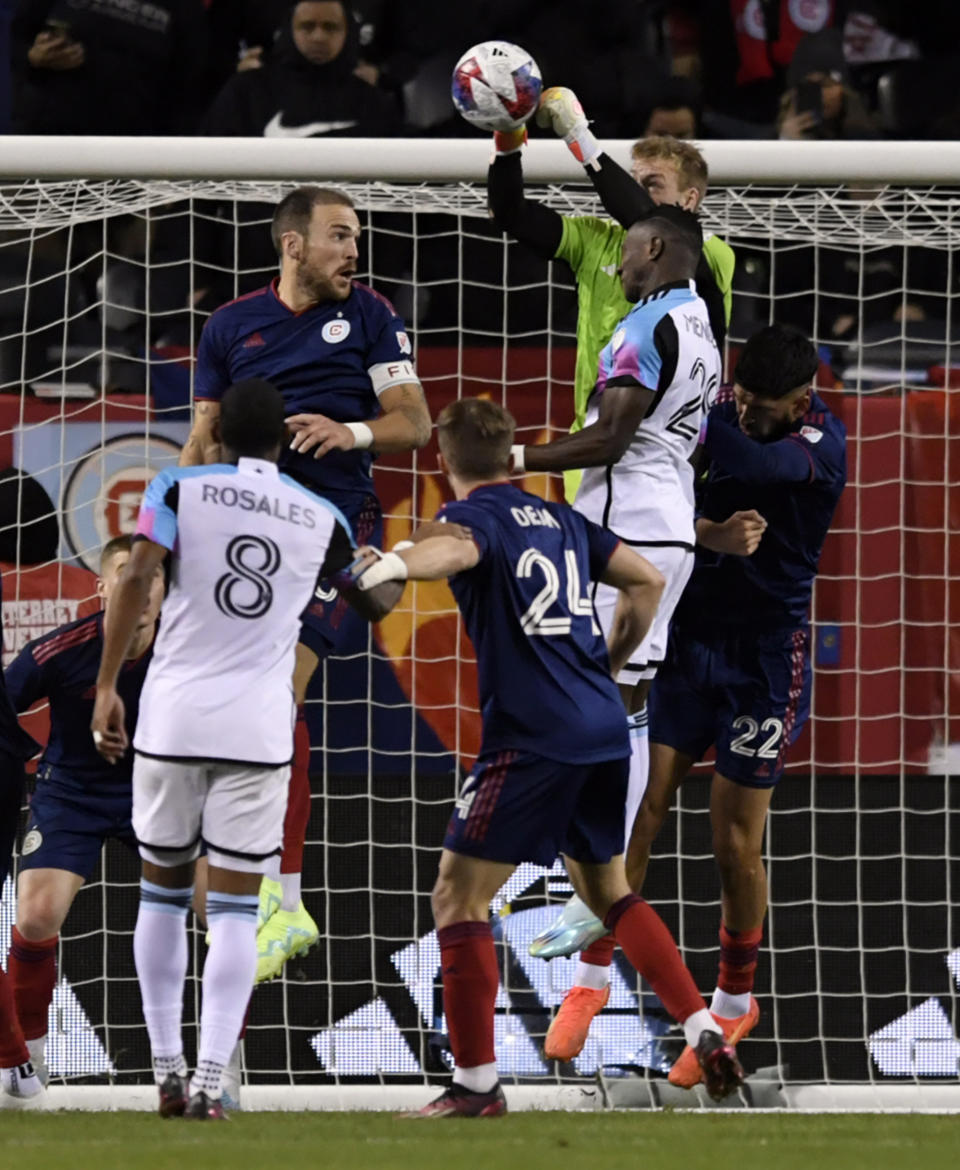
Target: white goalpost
column 112, row 255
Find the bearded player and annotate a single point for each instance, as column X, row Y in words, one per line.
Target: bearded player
column 341, row 358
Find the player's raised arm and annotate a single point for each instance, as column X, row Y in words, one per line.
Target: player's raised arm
column 127, row 604
column 203, row 444
column 212, row 377
column 540, row 228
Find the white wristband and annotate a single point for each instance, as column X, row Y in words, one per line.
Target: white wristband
column 362, row 435
column 401, row 545
column 390, row 567
column 516, row 454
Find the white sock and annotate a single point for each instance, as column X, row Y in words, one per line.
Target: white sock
column 160, row 954
column 639, row 767
column 480, row 1079
column 729, row 1006
column 228, row 975
column 38, row 1050
column 700, row 1021
column 290, row 898
column 591, row 975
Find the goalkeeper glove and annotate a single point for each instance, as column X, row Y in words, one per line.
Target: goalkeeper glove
column 508, row 141
column 560, row 110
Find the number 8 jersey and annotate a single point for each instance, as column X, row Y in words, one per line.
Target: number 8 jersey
column 664, row 344
column 542, row 665
column 247, row 545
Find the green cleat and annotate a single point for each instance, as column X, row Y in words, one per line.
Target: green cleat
column 575, row 928
column 271, row 894
column 286, row 933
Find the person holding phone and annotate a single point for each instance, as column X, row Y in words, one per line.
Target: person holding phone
column 819, row 102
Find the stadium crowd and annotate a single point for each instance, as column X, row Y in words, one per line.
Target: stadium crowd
column 691, row 68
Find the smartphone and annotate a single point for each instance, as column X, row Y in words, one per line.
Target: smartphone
column 810, row 100
column 59, row 28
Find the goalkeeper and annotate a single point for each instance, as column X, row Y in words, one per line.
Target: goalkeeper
column 665, row 170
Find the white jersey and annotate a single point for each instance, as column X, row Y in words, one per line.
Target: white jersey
column 665, row 344
column 247, row 545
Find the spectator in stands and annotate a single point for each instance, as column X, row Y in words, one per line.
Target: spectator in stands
column 819, row 102
column 107, row 68
column 308, row 87
column 675, row 110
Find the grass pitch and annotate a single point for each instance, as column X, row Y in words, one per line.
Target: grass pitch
column 519, row 1141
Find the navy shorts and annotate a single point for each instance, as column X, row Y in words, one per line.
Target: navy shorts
column 328, row 623
column 746, row 694
column 67, row 830
column 516, row 807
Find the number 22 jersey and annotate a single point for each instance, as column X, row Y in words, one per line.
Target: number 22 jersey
column 247, row 545
column 542, row 664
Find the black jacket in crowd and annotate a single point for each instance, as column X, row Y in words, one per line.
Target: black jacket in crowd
column 143, row 60
column 291, row 97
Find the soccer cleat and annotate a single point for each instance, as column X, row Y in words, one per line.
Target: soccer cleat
column 568, row 1032
column 722, row 1071
column 271, row 896
column 576, row 927
column 286, row 933
column 173, row 1095
column 21, row 1081
column 460, row 1102
column 687, row 1072
column 200, row 1107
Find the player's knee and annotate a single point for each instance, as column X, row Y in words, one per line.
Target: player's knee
column 40, row 914
column 451, row 904
column 736, row 851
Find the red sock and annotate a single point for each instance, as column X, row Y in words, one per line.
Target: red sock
column 600, row 953
column 32, row 968
column 468, row 961
column 298, row 799
column 649, row 946
column 13, row 1050
column 739, row 951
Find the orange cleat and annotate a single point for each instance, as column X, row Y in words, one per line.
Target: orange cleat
column 571, row 1024
column 687, row 1071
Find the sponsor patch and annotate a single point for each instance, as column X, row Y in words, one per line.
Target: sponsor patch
column 404, row 342
column 811, row 434
column 618, row 339
column 335, row 331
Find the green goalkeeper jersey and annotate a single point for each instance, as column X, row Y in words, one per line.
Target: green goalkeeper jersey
column 592, row 248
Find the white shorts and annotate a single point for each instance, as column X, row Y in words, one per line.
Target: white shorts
column 235, row 809
column 676, row 565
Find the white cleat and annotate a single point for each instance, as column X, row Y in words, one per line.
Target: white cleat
column 21, row 1082
column 575, row 928
column 38, row 1058
column 231, row 1081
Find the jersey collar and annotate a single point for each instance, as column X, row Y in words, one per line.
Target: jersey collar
column 259, row 467
column 274, row 287
column 663, row 289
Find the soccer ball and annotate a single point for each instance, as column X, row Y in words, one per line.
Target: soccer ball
column 496, row 85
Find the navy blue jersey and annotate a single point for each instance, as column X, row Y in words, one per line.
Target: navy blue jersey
column 14, row 741
column 335, row 358
column 795, row 484
column 62, row 667
column 542, row 665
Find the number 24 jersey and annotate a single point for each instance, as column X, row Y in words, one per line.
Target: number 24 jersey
column 247, row 545
column 542, row 665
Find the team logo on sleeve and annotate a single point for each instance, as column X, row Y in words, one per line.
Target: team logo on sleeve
column 335, row 331
column 811, row 434
column 403, row 342
column 618, row 339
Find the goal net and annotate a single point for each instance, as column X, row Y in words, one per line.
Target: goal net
column 104, row 288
